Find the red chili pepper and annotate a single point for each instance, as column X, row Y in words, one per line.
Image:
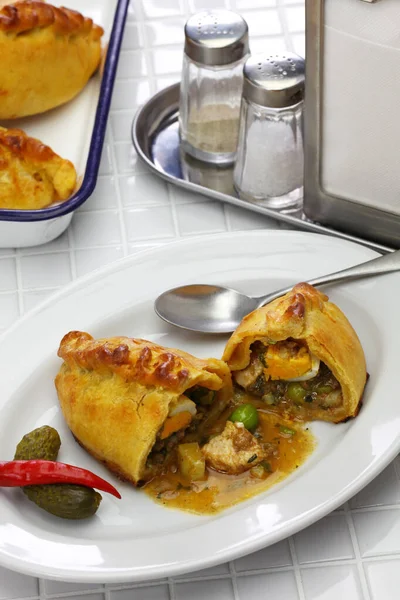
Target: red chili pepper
column 19, row 473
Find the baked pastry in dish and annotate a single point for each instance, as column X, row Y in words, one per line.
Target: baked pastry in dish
column 32, row 176
column 47, row 55
column 130, row 402
column 300, row 355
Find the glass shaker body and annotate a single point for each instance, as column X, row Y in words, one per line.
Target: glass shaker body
column 209, row 110
column 216, row 48
column 269, row 168
column 269, row 165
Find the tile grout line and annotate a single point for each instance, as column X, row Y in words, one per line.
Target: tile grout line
column 171, row 588
column 122, row 226
column 174, row 212
column 72, row 257
column 146, row 47
column 296, row 568
column 20, row 288
column 42, row 588
column 285, row 29
column 357, row 553
column 232, row 572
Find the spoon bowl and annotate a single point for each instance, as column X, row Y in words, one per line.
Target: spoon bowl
column 206, row 308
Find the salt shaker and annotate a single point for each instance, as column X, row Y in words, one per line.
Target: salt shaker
column 216, row 47
column 270, row 157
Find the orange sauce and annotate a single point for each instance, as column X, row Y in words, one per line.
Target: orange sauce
column 219, row 491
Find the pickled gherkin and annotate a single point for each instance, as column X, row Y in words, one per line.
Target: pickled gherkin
column 68, row 501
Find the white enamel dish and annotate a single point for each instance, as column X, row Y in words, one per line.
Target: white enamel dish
column 134, row 538
column 75, row 131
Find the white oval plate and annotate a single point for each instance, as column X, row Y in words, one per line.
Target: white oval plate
column 134, row 538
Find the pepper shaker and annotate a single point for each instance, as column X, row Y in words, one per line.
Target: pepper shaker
column 216, row 47
column 270, row 157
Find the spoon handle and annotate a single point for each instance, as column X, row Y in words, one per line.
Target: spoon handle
column 377, row 266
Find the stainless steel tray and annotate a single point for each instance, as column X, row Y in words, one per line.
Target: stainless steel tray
column 155, row 137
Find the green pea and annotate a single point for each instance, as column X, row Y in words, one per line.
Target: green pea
column 246, row 414
column 296, row 392
column 324, row 389
column 286, row 430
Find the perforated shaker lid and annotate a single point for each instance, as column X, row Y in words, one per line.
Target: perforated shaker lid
column 274, row 80
column 216, row 37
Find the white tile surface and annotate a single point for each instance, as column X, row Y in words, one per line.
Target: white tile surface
column 8, row 276
column 159, row 592
column 167, row 60
column 332, row 583
column 378, row 533
column 271, row 585
column 103, row 197
column 131, row 64
column 93, row 258
column 382, row 491
column 277, row 555
column 14, row 585
column 121, row 125
column 130, row 93
column 131, row 211
column 263, row 22
column 328, row 539
column 46, row 270
column 63, row 587
column 200, row 217
column 162, row 8
column 199, row 590
column 9, row 311
column 167, row 31
column 383, row 579
column 127, row 159
column 143, row 189
column 149, row 223
column 96, row 229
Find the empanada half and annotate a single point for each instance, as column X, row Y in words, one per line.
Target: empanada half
column 32, row 176
column 301, row 355
column 47, row 55
column 129, row 401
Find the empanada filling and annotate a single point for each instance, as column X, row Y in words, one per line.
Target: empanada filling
column 187, row 421
column 286, row 376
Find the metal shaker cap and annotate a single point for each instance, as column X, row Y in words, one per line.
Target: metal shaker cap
column 216, row 37
column 274, row 80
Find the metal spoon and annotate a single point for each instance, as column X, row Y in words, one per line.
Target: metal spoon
column 215, row 309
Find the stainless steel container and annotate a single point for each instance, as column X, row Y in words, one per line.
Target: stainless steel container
column 216, row 46
column 270, row 159
column 352, row 128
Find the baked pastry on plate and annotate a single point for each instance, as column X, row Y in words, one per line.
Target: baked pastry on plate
column 300, row 355
column 47, row 55
column 129, row 402
column 32, row 176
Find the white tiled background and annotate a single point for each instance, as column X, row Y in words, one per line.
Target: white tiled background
column 353, row 554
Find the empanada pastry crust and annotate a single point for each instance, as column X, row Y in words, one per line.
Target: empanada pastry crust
column 306, row 314
column 47, row 55
column 116, row 394
column 32, row 176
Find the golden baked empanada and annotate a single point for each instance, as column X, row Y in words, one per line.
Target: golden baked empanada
column 47, row 55
column 129, row 402
column 301, row 355
column 32, row 176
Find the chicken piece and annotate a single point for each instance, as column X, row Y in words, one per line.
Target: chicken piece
column 248, row 376
column 234, row 451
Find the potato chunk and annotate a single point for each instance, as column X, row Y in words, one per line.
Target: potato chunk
column 191, row 461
